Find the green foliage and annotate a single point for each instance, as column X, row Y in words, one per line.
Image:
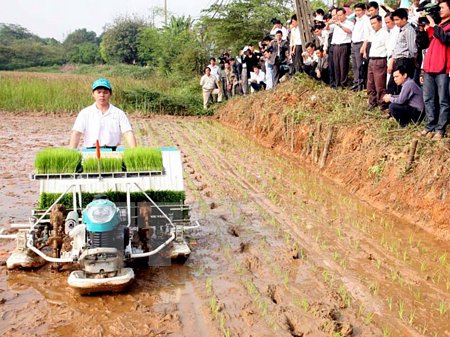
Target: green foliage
column 26, row 91
column 120, row 40
column 316, row 4
column 90, row 165
column 21, row 49
column 175, row 48
column 57, row 160
column 143, row 159
column 47, row 199
column 238, row 23
column 82, row 46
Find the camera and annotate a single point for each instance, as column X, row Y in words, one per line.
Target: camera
column 431, row 9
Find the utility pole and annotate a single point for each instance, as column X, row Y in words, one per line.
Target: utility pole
column 165, row 12
column 305, row 20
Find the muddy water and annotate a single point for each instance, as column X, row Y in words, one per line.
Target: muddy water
column 280, row 253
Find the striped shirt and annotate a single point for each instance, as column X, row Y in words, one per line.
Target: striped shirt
column 405, row 46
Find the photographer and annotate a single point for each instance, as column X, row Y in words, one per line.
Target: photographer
column 436, row 68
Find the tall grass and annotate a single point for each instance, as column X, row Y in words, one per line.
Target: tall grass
column 143, row 159
column 56, row 160
column 62, row 92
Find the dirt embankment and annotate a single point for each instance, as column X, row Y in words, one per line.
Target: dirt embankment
column 371, row 157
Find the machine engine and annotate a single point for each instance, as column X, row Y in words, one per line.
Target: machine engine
column 105, row 239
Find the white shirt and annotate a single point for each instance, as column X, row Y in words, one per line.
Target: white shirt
column 361, row 30
column 107, row 127
column 339, row 35
column 309, row 59
column 379, row 43
column 283, row 30
column 215, row 71
column 260, row 77
column 296, row 39
column 208, row 82
column 393, row 34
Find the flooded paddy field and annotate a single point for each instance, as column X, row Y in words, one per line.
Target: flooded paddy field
column 280, row 251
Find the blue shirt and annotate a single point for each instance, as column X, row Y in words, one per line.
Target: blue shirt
column 411, row 94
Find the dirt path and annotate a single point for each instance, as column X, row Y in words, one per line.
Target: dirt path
column 280, row 252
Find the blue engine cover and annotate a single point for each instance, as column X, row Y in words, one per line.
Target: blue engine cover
column 101, row 216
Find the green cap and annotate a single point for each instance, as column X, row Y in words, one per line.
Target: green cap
column 101, row 82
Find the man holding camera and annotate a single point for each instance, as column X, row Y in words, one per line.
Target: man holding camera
column 436, row 68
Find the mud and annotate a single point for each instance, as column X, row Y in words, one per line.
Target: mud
column 281, row 251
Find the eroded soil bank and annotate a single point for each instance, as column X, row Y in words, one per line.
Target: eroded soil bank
column 369, row 156
column 280, row 252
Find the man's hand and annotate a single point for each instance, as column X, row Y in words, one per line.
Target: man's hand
column 387, row 98
column 390, row 65
column 432, row 23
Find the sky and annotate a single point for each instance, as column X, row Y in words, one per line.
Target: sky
column 58, row 18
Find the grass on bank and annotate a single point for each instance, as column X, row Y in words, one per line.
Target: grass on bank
column 135, row 89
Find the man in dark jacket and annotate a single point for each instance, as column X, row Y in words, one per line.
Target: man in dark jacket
column 436, row 66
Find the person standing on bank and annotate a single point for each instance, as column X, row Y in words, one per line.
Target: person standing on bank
column 405, row 50
column 360, row 36
column 296, row 44
column 341, row 41
column 102, row 121
column 376, row 74
column 436, row 67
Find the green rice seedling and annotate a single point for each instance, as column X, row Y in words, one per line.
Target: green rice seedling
column 442, row 308
column 401, row 309
column 389, row 302
column 411, row 317
column 368, row 319
column 57, row 160
column 90, row 165
column 208, row 285
column 140, row 159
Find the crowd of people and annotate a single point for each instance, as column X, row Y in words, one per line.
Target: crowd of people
column 401, row 57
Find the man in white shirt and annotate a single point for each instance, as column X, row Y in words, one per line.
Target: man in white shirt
column 376, row 77
column 360, row 35
column 341, row 41
column 257, row 79
column 278, row 26
column 393, row 31
column 102, row 121
column 295, row 44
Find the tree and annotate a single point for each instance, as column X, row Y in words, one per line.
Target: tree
column 241, row 22
column 82, row 46
column 21, row 49
column 120, row 41
column 175, row 47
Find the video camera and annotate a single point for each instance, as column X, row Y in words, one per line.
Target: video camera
column 428, row 8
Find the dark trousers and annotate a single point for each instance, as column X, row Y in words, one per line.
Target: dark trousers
column 376, row 81
column 258, row 86
column 298, row 59
column 341, row 59
column 405, row 113
column 356, row 62
column 331, row 80
column 279, row 70
column 410, row 66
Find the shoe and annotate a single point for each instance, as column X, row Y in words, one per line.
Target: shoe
column 438, row 136
column 422, row 133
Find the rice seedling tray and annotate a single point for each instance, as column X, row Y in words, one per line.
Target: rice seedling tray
column 62, row 176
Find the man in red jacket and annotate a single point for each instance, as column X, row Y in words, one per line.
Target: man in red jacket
column 436, row 66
